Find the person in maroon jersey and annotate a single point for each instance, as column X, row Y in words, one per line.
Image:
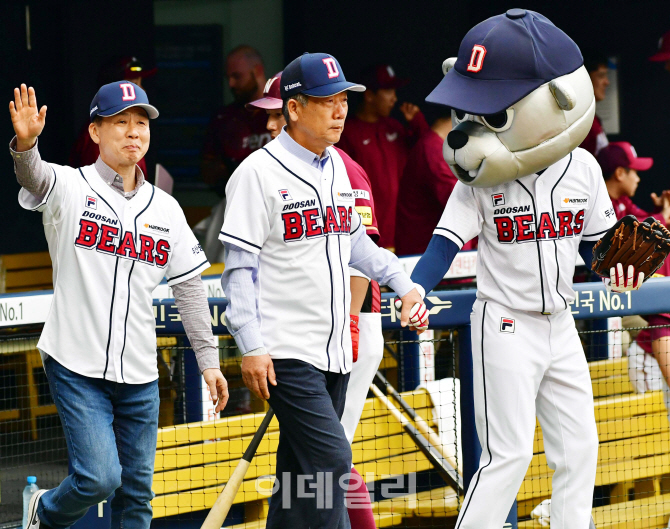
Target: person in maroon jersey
column 663, row 53
column 425, row 187
column 620, row 164
column 381, row 143
column 649, row 353
column 596, row 65
column 365, row 307
column 85, row 151
column 235, row 132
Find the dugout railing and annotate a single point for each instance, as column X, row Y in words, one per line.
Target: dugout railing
column 634, row 465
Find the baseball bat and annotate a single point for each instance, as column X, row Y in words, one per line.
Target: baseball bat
column 219, row 510
column 421, row 424
column 444, row 468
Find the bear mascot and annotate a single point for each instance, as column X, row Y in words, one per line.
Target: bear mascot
column 521, row 103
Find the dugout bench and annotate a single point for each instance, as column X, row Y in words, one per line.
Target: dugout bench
column 194, row 461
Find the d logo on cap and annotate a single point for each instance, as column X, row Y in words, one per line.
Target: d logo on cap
column 332, row 67
column 477, row 58
column 128, row 92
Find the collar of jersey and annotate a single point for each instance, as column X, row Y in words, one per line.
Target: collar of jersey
column 116, row 200
column 301, row 153
column 108, row 175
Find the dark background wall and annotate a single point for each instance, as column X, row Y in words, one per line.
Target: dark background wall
column 415, row 37
column 69, row 41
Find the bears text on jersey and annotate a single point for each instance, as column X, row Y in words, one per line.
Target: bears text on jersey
column 107, row 239
column 523, row 228
column 309, row 223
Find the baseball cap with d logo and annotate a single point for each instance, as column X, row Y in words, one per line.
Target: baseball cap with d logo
column 503, row 59
column 317, row 75
column 114, row 98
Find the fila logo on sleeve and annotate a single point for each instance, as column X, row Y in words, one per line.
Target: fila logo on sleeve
column 498, row 199
column 507, row 325
column 332, row 67
column 128, row 91
column 477, row 58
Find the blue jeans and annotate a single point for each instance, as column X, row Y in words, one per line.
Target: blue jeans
column 111, row 431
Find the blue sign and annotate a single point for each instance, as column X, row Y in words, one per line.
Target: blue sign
column 451, row 308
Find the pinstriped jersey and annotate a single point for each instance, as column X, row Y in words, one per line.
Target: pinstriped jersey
column 529, row 231
column 108, row 255
column 298, row 220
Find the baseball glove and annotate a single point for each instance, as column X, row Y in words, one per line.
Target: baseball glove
column 642, row 245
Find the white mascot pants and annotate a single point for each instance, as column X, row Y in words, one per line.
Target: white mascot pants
column 370, row 353
column 531, row 364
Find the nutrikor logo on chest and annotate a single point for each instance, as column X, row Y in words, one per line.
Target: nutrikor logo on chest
column 575, row 202
column 159, row 229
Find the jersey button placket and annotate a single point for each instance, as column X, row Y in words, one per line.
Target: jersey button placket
column 326, row 199
column 547, row 250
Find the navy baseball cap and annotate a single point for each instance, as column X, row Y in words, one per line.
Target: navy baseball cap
column 503, row 59
column 115, row 97
column 315, row 74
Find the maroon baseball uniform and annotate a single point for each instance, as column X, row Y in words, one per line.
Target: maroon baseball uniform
column 381, row 148
column 234, row 133
column 646, row 336
column 624, row 206
column 86, row 151
column 425, row 187
column 596, row 139
column 360, row 184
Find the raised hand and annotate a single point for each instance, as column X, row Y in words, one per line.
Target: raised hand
column 409, row 111
column 28, row 122
column 658, row 201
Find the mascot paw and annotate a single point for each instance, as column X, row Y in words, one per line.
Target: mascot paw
column 619, row 283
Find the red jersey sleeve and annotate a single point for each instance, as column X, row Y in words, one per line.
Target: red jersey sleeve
column 625, row 206
column 416, row 128
column 443, row 179
column 360, row 183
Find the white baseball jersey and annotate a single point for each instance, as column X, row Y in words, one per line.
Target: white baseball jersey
column 108, row 255
column 298, row 220
column 529, row 231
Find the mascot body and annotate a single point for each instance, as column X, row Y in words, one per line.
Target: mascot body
column 522, row 102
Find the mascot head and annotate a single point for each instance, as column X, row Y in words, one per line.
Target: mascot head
column 520, row 95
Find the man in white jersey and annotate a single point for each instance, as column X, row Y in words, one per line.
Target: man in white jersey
column 527, row 356
column 365, row 313
column 291, row 232
column 112, row 238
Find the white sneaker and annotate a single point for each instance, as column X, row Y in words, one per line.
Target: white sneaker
column 33, row 519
